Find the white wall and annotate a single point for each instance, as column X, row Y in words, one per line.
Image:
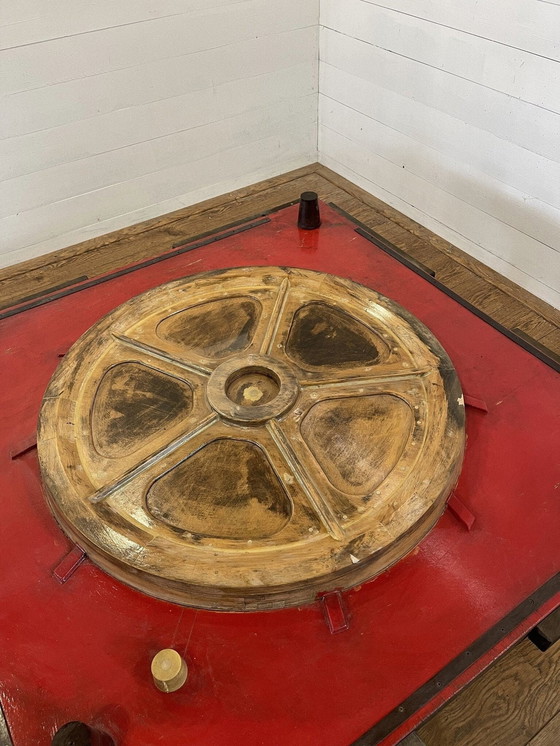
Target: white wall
column 115, row 112
column 450, row 112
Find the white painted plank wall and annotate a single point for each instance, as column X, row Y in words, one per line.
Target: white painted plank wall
column 116, row 112
column 113, row 113
column 450, row 112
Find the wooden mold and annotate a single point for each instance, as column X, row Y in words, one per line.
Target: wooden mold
column 247, row 438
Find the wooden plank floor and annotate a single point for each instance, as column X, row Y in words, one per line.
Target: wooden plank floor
column 492, row 293
column 513, row 702
column 517, row 700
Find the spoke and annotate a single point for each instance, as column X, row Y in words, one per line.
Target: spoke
column 153, row 352
column 152, row 460
column 306, row 482
column 275, row 317
column 346, row 383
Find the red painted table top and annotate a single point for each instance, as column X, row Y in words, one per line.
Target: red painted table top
column 82, row 650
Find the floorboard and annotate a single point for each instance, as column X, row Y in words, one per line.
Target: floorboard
column 549, row 735
column 507, row 706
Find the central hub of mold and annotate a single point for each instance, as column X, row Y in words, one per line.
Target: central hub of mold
column 252, row 386
column 252, row 389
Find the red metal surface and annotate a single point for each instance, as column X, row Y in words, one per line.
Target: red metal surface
column 82, row 650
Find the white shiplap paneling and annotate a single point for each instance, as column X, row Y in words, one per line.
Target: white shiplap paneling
column 73, row 101
column 118, row 47
column 530, row 25
column 503, row 68
column 143, row 139
column 114, row 113
column 31, row 21
column 450, row 112
column 198, row 161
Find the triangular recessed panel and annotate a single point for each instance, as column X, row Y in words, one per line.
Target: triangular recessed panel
column 357, row 441
column 323, row 335
column 226, row 490
column 215, row 329
column 132, row 404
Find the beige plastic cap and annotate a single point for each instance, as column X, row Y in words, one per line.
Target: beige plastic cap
column 169, row 670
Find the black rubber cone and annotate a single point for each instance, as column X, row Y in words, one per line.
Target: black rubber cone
column 309, row 217
column 76, row 733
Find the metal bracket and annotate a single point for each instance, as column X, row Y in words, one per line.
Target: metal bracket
column 69, row 564
column 472, row 401
column 547, row 632
column 460, row 511
column 23, row 447
column 334, row 611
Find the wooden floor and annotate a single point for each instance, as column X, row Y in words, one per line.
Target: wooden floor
column 516, row 701
column 492, row 293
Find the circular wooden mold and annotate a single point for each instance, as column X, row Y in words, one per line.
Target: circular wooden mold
column 245, row 439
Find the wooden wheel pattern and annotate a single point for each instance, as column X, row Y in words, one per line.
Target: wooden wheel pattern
column 244, row 439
